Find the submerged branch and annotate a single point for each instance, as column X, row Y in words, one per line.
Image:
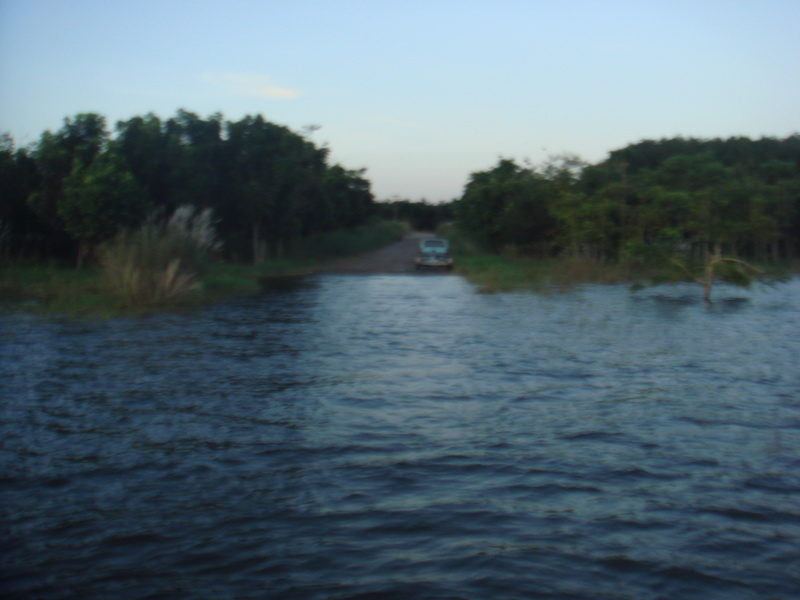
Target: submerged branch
column 686, row 270
column 709, row 273
column 742, row 262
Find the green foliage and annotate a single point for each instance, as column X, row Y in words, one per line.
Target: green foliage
column 37, row 287
column 77, row 143
column 140, row 273
column 224, row 279
column 18, row 223
column 272, row 190
column 421, row 215
column 499, row 273
column 736, row 274
column 99, row 199
column 506, row 205
column 646, row 203
column 663, row 210
column 268, row 186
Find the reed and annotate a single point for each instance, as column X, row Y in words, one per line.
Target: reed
column 162, row 261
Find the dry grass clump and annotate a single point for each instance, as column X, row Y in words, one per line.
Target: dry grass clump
column 162, row 260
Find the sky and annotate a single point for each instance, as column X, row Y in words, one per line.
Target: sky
column 420, row 93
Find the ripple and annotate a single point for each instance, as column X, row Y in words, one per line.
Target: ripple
column 404, row 437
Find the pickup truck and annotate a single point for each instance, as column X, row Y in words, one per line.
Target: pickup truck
column 434, row 253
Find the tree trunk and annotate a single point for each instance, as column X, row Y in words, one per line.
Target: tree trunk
column 712, row 260
column 258, row 249
column 708, row 284
column 83, row 252
column 776, row 250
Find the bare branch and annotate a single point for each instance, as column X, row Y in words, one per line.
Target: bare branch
column 741, row 262
column 683, row 268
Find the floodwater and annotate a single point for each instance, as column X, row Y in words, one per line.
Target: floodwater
column 402, row 436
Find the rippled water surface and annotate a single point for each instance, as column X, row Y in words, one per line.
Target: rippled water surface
column 404, row 437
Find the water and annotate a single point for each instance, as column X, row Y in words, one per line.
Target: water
column 405, row 437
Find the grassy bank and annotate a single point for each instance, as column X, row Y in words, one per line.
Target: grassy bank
column 52, row 288
column 66, row 290
column 507, row 272
column 499, row 273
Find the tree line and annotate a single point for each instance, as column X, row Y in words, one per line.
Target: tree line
column 267, row 186
column 657, row 197
column 420, row 215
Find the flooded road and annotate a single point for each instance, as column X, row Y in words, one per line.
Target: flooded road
column 394, row 258
column 401, row 436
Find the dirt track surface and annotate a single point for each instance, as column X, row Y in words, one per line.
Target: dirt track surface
column 394, row 258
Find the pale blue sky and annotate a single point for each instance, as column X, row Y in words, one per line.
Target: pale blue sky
column 421, row 93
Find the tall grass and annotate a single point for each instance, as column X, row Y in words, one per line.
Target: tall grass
column 53, row 288
column 162, row 261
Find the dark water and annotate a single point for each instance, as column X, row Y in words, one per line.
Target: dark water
column 405, row 437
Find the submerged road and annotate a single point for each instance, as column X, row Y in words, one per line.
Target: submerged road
column 394, row 258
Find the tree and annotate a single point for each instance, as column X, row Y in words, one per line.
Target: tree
column 347, row 199
column 278, row 182
column 701, row 205
column 194, row 157
column 251, row 150
column 142, row 143
column 716, row 266
column 420, row 214
column 588, row 224
column 99, row 200
column 20, row 228
column 486, row 198
column 57, row 155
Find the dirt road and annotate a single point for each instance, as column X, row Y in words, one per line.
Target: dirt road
column 394, row 258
